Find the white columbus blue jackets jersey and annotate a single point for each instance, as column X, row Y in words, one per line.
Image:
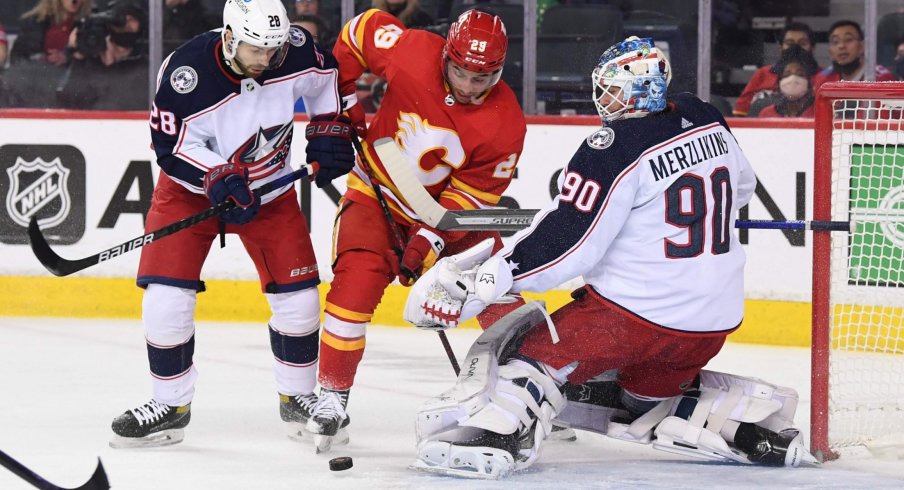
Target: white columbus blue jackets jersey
column 204, row 115
column 646, row 215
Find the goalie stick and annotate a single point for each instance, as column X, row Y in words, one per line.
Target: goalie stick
column 502, row 219
column 98, row 480
column 63, row 267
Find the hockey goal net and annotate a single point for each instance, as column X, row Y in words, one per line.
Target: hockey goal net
column 858, row 277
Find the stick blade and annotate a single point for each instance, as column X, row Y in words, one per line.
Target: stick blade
column 98, row 480
column 39, row 246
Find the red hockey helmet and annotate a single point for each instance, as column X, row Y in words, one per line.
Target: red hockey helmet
column 477, row 42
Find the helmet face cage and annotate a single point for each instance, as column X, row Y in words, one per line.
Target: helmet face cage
column 477, row 42
column 636, row 75
column 260, row 23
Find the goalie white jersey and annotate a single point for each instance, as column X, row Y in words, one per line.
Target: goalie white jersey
column 646, row 215
column 204, row 115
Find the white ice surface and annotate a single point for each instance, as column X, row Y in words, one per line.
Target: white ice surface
column 63, row 380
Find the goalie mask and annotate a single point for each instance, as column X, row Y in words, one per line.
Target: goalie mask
column 631, row 80
column 477, row 42
column 263, row 24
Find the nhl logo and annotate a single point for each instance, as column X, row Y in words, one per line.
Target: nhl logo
column 601, row 139
column 184, row 79
column 35, row 186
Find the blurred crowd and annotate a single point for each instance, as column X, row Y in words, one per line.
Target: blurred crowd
column 92, row 54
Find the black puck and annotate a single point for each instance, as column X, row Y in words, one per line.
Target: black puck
column 339, row 464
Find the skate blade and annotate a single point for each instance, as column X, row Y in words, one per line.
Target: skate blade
column 421, row 466
column 159, row 439
column 295, row 431
column 323, row 443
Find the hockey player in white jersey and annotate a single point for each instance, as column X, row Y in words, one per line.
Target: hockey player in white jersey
column 221, row 126
column 644, row 216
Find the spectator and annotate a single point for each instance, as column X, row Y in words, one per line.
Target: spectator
column 774, row 95
column 45, row 29
column 183, row 20
column 794, row 88
column 899, row 61
column 4, row 47
column 330, row 18
column 408, row 11
column 846, row 51
column 764, row 80
column 316, row 26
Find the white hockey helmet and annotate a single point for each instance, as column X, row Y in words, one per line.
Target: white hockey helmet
column 261, row 23
column 635, row 74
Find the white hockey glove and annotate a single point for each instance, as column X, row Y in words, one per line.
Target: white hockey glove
column 457, row 288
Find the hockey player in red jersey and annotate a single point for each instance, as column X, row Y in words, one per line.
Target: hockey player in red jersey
column 462, row 131
column 645, row 217
column 221, row 126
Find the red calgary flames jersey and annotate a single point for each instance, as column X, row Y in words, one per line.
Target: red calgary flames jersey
column 463, row 154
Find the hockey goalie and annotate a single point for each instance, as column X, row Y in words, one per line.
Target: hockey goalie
column 644, row 217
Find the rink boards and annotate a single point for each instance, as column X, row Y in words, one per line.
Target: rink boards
column 91, row 176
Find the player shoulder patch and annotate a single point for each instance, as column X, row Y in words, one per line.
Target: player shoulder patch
column 601, row 139
column 184, row 79
column 297, row 37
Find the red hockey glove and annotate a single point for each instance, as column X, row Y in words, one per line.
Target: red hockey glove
column 330, row 144
column 423, row 248
column 229, row 182
column 356, row 114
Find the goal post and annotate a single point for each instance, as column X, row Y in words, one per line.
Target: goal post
column 858, row 277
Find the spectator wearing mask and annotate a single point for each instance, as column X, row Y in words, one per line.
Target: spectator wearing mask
column 846, row 50
column 794, row 88
column 763, row 81
column 408, row 11
column 45, row 29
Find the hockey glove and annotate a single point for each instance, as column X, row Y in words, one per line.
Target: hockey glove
column 355, row 113
column 330, row 144
column 423, row 248
column 229, row 182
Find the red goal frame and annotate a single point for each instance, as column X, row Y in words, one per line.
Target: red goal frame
column 822, row 210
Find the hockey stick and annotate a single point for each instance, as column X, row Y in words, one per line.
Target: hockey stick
column 399, row 247
column 98, row 480
column 63, row 267
column 431, row 212
column 795, row 225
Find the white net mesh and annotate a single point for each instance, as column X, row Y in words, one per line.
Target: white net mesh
column 866, row 359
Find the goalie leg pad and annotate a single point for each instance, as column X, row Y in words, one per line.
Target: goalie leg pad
column 478, row 375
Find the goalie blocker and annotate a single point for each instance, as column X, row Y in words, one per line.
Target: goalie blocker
column 494, row 420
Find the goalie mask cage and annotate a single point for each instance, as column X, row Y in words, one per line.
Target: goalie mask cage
column 858, row 277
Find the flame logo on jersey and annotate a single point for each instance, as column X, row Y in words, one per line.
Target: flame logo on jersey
column 417, row 138
column 265, row 152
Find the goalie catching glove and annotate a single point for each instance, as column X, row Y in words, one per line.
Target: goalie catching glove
column 458, row 288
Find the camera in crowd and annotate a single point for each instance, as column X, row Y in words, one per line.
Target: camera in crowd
column 124, row 22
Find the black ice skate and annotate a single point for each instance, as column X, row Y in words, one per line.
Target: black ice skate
column 295, row 411
column 151, row 424
column 762, row 446
column 328, row 420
